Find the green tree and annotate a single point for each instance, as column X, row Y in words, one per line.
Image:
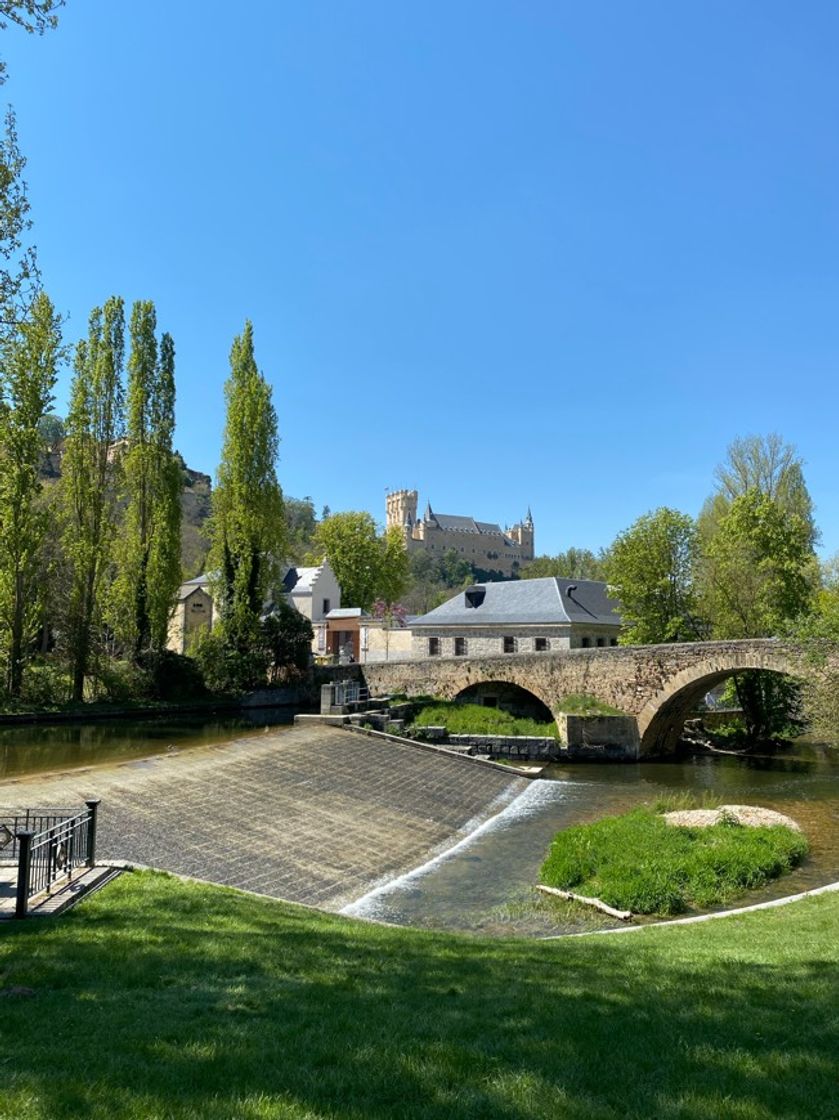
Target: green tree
column 148, row 555
column 355, row 551
column 770, row 467
column 52, row 430
column 28, row 375
column 651, row 571
column 287, row 637
column 819, row 631
column 757, row 568
column 247, row 531
column 89, row 472
column 19, row 275
column 395, row 570
column 301, row 523
column 756, row 577
column 574, row 563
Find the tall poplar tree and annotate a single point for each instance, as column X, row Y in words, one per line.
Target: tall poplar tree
column 247, row 527
column 148, row 552
column 89, row 479
column 27, row 379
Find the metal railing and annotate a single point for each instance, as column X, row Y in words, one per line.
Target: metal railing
column 349, row 692
column 50, row 845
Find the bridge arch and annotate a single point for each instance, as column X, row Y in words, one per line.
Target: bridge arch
column 517, row 698
column 662, row 718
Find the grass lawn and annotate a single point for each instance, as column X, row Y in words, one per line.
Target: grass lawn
column 159, row 999
column 476, row 719
column 638, row 862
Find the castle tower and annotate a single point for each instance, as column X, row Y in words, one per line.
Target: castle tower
column 401, row 508
column 523, row 535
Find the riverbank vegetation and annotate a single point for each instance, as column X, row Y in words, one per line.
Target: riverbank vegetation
column 639, row 862
column 582, row 704
column 476, row 719
column 253, row 1008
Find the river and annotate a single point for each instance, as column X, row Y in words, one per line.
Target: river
column 484, row 884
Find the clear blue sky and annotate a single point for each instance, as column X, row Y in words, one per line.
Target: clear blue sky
column 549, row 253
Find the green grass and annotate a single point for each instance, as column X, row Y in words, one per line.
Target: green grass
column 582, row 704
column 475, row 719
column 640, row 863
column 160, row 1000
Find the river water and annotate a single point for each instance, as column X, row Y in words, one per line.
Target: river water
column 484, row 884
column 41, row 748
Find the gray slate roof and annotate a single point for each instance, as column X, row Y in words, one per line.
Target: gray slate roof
column 530, row 602
column 464, row 524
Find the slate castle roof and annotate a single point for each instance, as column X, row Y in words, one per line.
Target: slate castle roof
column 455, row 523
column 527, row 602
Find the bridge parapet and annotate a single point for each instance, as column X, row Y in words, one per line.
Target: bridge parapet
column 658, row 685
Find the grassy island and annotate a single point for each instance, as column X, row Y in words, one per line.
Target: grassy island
column 638, row 862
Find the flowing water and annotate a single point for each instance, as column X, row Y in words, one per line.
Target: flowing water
column 484, row 884
column 39, row 748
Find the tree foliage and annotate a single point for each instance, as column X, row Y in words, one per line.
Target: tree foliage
column 29, row 366
column 650, row 569
column 90, row 469
column 573, row 563
column 247, row 530
column 366, row 565
column 148, row 556
column 756, row 571
column 769, row 466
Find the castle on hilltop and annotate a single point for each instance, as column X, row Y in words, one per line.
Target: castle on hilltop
column 483, row 544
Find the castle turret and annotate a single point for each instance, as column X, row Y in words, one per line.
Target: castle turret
column 401, row 508
column 523, row 535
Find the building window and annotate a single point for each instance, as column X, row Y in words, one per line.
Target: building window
column 601, row 641
column 510, row 644
column 327, row 605
column 540, row 644
column 460, row 647
column 585, row 643
column 433, row 647
column 613, row 641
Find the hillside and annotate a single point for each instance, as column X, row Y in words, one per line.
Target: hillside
column 195, row 508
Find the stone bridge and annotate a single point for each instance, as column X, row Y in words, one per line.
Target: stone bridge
column 659, row 685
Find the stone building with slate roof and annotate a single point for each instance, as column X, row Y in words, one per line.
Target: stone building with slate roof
column 519, row 616
column 483, row 544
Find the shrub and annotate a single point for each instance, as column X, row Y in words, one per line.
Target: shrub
column 230, row 670
column 172, row 676
column 46, row 683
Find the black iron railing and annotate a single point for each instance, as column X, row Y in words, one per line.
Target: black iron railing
column 49, row 846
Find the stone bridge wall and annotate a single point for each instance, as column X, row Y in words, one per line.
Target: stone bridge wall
column 658, row 685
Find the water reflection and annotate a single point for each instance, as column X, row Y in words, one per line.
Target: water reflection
column 39, row 748
column 486, row 885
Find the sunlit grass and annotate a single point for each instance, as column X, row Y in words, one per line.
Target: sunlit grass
column 161, row 1000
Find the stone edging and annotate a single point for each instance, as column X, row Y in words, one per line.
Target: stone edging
column 771, row 904
column 421, row 746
